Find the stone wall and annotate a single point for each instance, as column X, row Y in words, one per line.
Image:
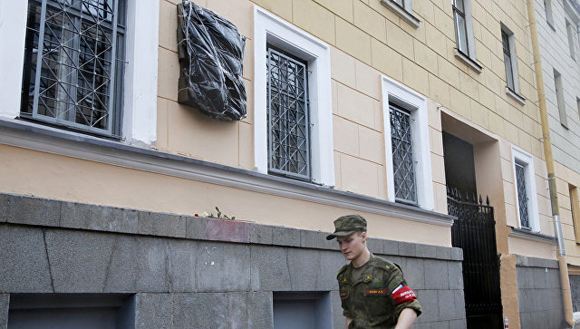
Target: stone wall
column 180, row 271
column 539, row 293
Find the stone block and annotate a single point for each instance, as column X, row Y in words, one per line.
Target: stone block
column 261, row 234
column 430, row 302
column 315, row 19
column 330, row 263
column 79, row 261
column 283, row 236
column 223, row 267
column 525, row 278
column 25, row 266
column 316, row 240
column 123, row 265
column 210, row 310
column 29, row 211
column 93, row 217
column 260, row 310
column 161, row 224
column 304, row 276
column 446, row 304
column 458, row 324
column 4, row 304
column 407, row 249
column 443, row 253
column 182, row 265
column 218, row 230
column 455, row 276
column 153, row 311
column 414, row 272
column 426, row 251
column 456, row 254
column 270, row 269
column 459, row 297
column 540, row 278
column 440, row 325
column 353, row 41
column 436, row 274
column 391, row 247
column 375, row 246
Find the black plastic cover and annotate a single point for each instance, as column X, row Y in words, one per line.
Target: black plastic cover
column 211, row 54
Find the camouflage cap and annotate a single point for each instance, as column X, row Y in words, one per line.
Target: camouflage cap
column 346, row 225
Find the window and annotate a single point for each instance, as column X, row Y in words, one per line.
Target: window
column 525, row 189
column 463, row 29
column 73, row 64
column 508, row 60
column 288, row 116
column 560, row 99
column 571, row 31
column 403, row 159
column 404, row 9
column 549, row 15
column 511, row 64
column 304, row 310
column 292, row 95
column 522, row 195
column 408, row 158
column 575, row 208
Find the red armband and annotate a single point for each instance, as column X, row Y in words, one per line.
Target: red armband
column 403, row 294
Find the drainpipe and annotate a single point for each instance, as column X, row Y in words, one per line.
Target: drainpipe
column 564, row 279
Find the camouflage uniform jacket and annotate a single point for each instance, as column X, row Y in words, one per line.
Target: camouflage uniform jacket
column 378, row 295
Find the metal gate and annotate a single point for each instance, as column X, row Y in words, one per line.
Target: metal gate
column 474, row 232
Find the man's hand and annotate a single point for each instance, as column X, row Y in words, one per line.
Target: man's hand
column 406, row 319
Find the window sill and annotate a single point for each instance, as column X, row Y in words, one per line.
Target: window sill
column 519, row 98
column 402, row 13
column 531, row 235
column 471, row 62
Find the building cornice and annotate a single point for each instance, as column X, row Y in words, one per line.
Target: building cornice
column 45, row 139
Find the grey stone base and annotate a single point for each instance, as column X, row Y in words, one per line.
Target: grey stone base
column 540, row 294
column 188, row 270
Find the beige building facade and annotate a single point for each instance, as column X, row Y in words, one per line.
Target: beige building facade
column 461, row 74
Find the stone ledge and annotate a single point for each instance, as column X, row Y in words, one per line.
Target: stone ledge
column 533, row 236
column 525, row 261
column 26, row 210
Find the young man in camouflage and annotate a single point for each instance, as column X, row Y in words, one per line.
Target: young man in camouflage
column 373, row 290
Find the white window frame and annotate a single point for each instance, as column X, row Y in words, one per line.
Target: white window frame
column 471, row 53
column 405, row 12
column 271, row 30
column 416, row 104
column 522, row 157
column 549, row 12
column 560, row 101
column 516, row 93
column 139, row 117
column 571, row 32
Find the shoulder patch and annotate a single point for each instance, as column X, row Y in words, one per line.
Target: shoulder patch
column 383, row 264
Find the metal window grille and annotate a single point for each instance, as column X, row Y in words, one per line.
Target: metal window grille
column 460, row 26
column 288, row 116
column 507, row 59
column 73, row 64
column 522, row 195
column 403, row 163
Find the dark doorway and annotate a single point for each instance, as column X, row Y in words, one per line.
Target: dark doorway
column 474, row 232
column 459, row 165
